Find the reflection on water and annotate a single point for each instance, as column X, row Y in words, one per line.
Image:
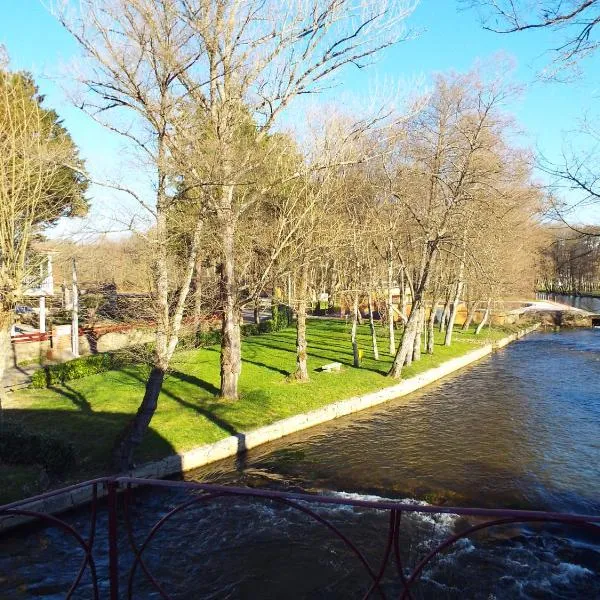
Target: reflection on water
column 518, row 429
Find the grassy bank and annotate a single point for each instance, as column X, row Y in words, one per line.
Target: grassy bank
column 91, row 411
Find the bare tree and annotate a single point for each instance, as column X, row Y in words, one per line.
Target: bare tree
column 259, row 57
column 137, row 51
column 575, row 20
column 449, row 150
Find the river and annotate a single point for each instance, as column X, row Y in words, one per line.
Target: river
column 519, row 429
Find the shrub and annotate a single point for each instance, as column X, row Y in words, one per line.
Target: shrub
column 80, row 367
column 249, row 329
column 208, row 338
column 21, row 447
column 281, row 318
column 267, row 326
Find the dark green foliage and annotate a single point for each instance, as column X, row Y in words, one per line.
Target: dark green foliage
column 249, row 329
column 267, row 326
column 282, row 318
column 199, row 339
column 207, row 338
column 64, row 191
column 80, row 367
column 21, row 447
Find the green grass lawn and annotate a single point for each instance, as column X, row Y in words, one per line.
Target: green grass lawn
column 91, row 411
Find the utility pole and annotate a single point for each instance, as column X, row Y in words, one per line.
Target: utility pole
column 75, row 314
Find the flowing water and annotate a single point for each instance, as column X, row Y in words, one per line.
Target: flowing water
column 519, row 429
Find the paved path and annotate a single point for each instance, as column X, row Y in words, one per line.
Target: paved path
column 16, row 377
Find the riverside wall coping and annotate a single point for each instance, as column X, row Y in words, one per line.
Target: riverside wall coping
column 232, row 445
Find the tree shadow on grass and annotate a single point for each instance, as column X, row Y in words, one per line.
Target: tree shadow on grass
column 208, row 410
column 92, row 435
column 195, row 381
column 245, row 359
column 209, row 413
column 264, row 344
column 249, row 356
column 77, row 398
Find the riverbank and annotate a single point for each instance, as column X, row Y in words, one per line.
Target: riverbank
column 446, row 361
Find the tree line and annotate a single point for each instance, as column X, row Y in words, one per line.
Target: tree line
column 438, row 201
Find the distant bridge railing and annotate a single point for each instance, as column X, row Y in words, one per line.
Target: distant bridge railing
column 113, row 498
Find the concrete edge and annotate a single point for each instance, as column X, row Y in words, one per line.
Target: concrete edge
column 232, row 445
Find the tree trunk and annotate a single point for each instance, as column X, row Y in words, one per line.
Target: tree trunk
column 431, row 327
column 470, row 315
column 198, row 294
column 406, row 345
column 257, row 311
column 410, row 328
column 373, row 331
column 359, row 316
column 485, row 318
column 301, row 373
column 390, row 306
column 5, row 349
column 416, row 355
column 131, row 437
column 231, row 350
column 167, row 335
column 445, row 315
column 354, row 331
column 331, row 286
column 402, row 294
column 453, row 312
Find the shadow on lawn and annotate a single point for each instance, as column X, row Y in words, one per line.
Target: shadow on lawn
column 208, row 409
column 264, row 344
column 209, row 413
column 193, row 380
column 333, row 354
column 92, row 435
column 77, row 398
column 249, row 356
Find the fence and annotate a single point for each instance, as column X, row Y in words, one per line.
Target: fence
column 115, row 497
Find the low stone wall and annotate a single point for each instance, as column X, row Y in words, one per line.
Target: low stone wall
column 30, row 351
column 232, row 445
column 60, row 347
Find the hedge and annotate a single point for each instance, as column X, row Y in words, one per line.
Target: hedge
column 107, row 361
column 78, row 368
column 21, row 447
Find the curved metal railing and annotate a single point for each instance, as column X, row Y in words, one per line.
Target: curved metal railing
column 116, row 509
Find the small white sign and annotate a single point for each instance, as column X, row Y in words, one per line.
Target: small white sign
column 60, row 330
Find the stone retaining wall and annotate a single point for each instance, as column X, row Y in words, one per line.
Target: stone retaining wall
column 60, row 347
column 232, row 445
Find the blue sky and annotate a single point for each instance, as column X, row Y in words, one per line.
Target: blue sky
column 450, row 39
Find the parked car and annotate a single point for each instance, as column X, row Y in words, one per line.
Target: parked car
column 21, row 309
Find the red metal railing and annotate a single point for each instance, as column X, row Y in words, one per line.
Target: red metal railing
column 34, row 336
column 120, row 491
